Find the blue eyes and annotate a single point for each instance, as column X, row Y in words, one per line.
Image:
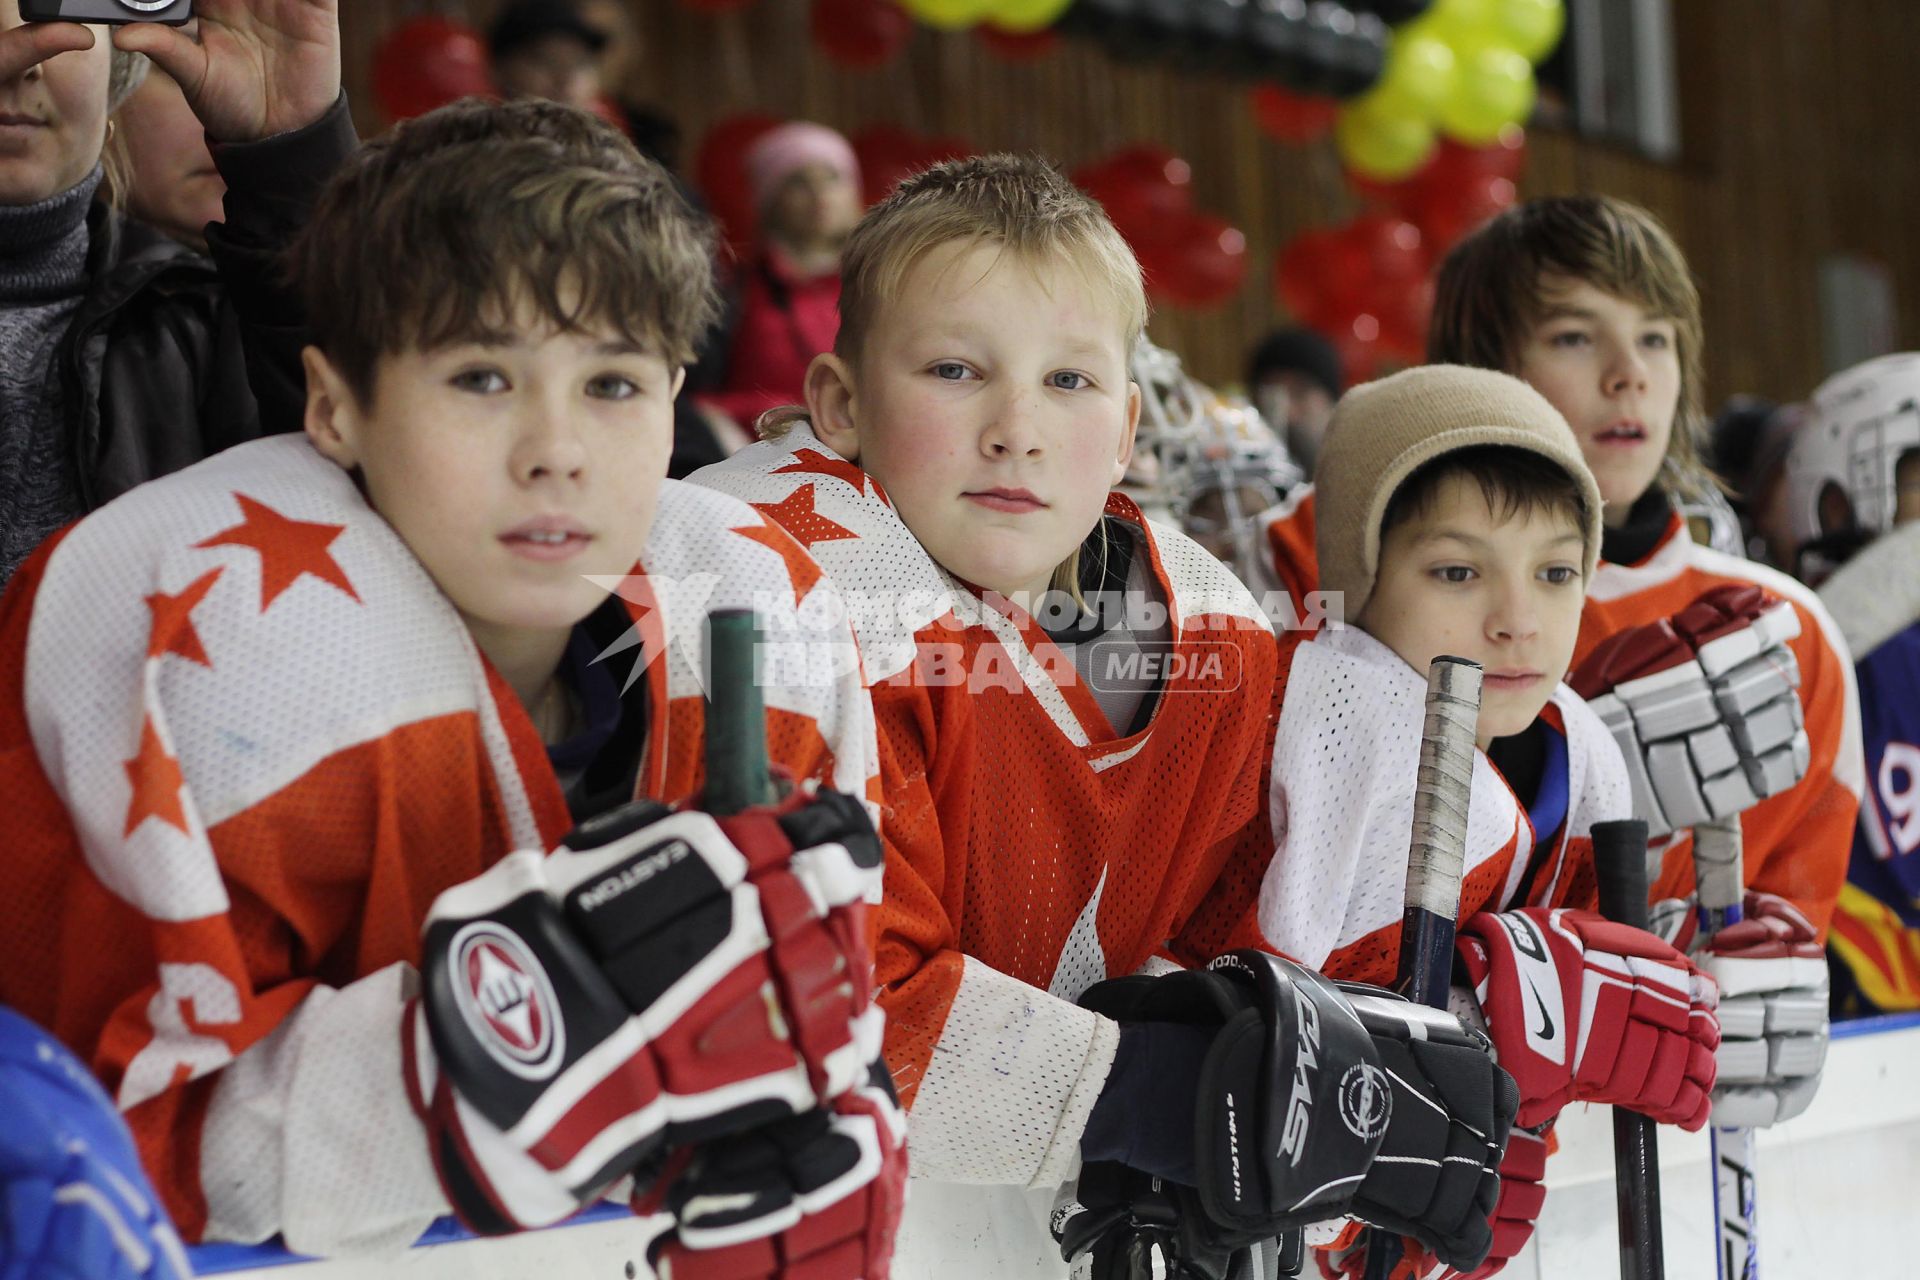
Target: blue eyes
column 1059, row 380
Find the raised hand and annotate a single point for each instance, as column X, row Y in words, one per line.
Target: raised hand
column 249, row 68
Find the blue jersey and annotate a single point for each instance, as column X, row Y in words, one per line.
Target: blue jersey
column 74, row 1203
column 1886, row 853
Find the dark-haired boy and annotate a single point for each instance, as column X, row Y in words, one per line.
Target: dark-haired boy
column 1457, row 517
column 262, row 719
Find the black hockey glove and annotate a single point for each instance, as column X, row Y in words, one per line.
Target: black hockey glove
column 1301, row 1091
column 1134, row 1226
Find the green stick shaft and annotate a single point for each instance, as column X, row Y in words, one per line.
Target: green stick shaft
column 737, row 773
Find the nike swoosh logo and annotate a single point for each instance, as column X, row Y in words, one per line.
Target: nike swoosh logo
column 1546, row 1019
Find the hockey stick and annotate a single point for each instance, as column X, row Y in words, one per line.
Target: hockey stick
column 1436, row 858
column 736, row 726
column 1720, row 877
column 1620, row 865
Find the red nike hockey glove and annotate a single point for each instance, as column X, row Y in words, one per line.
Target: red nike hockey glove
column 1703, row 705
column 1584, row 1010
column 660, row 979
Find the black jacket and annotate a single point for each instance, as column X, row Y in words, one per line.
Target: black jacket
column 173, row 356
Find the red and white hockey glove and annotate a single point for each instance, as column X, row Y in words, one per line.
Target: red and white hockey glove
column 1703, row 705
column 660, row 979
column 1585, row 1010
column 1772, row 975
column 816, row 1197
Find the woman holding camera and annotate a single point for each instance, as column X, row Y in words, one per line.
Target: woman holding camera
column 123, row 355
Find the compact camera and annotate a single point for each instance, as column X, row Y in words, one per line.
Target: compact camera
column 115, row 12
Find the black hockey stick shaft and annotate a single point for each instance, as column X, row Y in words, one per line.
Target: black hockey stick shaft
column 736, row 726
column 1436, row 859
column 1620, row 864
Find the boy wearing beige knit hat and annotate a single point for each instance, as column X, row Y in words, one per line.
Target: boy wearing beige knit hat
column 1456, row 516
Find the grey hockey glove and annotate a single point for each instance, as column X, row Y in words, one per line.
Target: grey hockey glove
column 1306, row 1085
column 1703, row 705
column 1772, row 975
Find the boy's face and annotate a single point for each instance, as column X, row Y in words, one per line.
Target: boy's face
column 1457, row 579
column 511, row 471
column 992, row 400
column 1613, row 371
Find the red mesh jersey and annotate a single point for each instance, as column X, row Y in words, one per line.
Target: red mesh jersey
column 1030, row 851
column 245, row 742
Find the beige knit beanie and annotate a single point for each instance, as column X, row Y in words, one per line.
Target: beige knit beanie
column 1384, row 431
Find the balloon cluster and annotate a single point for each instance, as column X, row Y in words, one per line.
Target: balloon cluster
column 1016, row 16
column 1323, row 47
column 428, row 62
column 1464, row 68
column 1189, row 258
column 1368, row 285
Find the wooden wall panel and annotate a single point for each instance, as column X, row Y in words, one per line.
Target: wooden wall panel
column 1802, row 138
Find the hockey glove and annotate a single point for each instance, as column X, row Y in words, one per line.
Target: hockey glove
column 1703, row 705
column 815, row 1197
column 1305, row 1085
column 660, row 979
column 1584, row 1010
column 1772, row 975
column 1130, row 1225
column 74, row 1201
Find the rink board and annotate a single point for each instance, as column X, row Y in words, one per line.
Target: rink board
column 1835, row 1188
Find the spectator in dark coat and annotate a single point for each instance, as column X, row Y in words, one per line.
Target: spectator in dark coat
column 124, row 355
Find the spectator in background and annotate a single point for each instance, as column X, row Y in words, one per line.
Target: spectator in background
column 547, row 49
column 1294, row 379
column 122, row 355
column 172, row 184
column 806, row 190
column 1748, row 448
column 655, row 134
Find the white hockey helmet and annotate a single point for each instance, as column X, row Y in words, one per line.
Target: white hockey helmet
column 1841, row 468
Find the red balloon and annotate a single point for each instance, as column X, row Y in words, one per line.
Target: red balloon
column 889, row 153
column 1394, row 249
column 720, row 171
column 1017, row 46
column 1320, row 275
column 860, row 33
column 1293, row 117
column 1200, row 262
column 1447, row 215
column 428, row 62
column 1357, row 338
column 1144, row 189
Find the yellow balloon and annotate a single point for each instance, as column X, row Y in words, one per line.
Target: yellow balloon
column 1494, row 88
column 948, row 15
column 1531, row 27
column 1382, row 145
column 1418, row 77
column 1455, row 20
column 1026, row 16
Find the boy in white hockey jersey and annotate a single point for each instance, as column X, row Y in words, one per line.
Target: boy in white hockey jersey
column 1457, row 517
column 267, row 718
column 1075, row 710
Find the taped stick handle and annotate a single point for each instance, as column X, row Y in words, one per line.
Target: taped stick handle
column 736, row 726
column 1620, row 866
column 1436, row 860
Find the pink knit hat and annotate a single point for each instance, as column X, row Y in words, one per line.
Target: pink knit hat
column 784, row 151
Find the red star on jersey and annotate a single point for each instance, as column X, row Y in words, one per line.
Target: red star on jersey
column 289, row 549
column 814, row 462
column 801, row 570
column 173, row 630
column 796, row 515
column 156, row 780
